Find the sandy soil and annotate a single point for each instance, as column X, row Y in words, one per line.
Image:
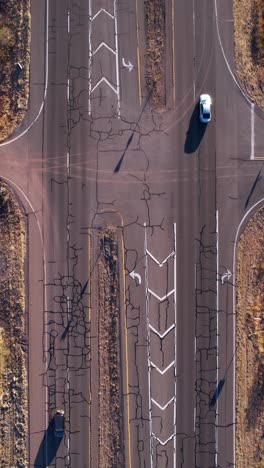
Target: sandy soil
column 249, row 47
column 14, row 50
column 250, row 346
column 155, row 50
column 110, row 450
column 13, row 342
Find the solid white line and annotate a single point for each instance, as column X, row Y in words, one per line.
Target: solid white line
column 90, row 57
column 217, row 332
column 68, row 162
column 68, row 89
column 117, row 62
column 194, row 42
column 252, row 139
column 69, row 23
column 175, row 347
column 148, row 347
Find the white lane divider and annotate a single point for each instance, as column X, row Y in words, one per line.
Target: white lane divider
column 151, row 364
column 252, row 139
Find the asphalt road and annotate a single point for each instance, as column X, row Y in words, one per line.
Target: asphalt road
column 93, row 152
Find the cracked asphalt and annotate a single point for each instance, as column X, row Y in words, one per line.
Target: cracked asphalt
column 100, row 155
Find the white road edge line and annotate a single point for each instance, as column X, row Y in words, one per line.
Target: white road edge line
column 117, row 62
column 148, row 346
column 252, row 126
column 217, row 333
column 69, row 23
column 194, row 32
column 90, row 57
column 175, row 347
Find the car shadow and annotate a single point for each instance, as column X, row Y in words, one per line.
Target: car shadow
column 48, row 448
column 195, row 132
column 217, row 392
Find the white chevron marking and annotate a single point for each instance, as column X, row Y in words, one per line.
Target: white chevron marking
column 102, row 10
column 107, row 82
column 160, row 298
column 159, row 370
column 163, row 334
column 162, row 407
column 103, row 44
column 166, row 441
column 160, row 263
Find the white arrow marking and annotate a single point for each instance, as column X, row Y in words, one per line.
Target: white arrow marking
column 165, row 333
column 227, row 275
column 135, row 275
column 165, row 406
column 127, row 65
column 160, row 298
column 159, row 370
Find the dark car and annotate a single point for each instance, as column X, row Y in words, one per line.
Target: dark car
column 58, row 423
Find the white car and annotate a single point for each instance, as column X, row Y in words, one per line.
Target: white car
column 205, row 103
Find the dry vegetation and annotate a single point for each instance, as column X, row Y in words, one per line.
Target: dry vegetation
column 249, row 47
column 155, row 49
column 13, row 373
column 14, row 50
column 110, row 451
column 250, row 346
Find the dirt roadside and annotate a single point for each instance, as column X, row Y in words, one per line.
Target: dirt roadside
column 250, row 345
column 13, row 340
column 14, row 64
column 249, row 47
